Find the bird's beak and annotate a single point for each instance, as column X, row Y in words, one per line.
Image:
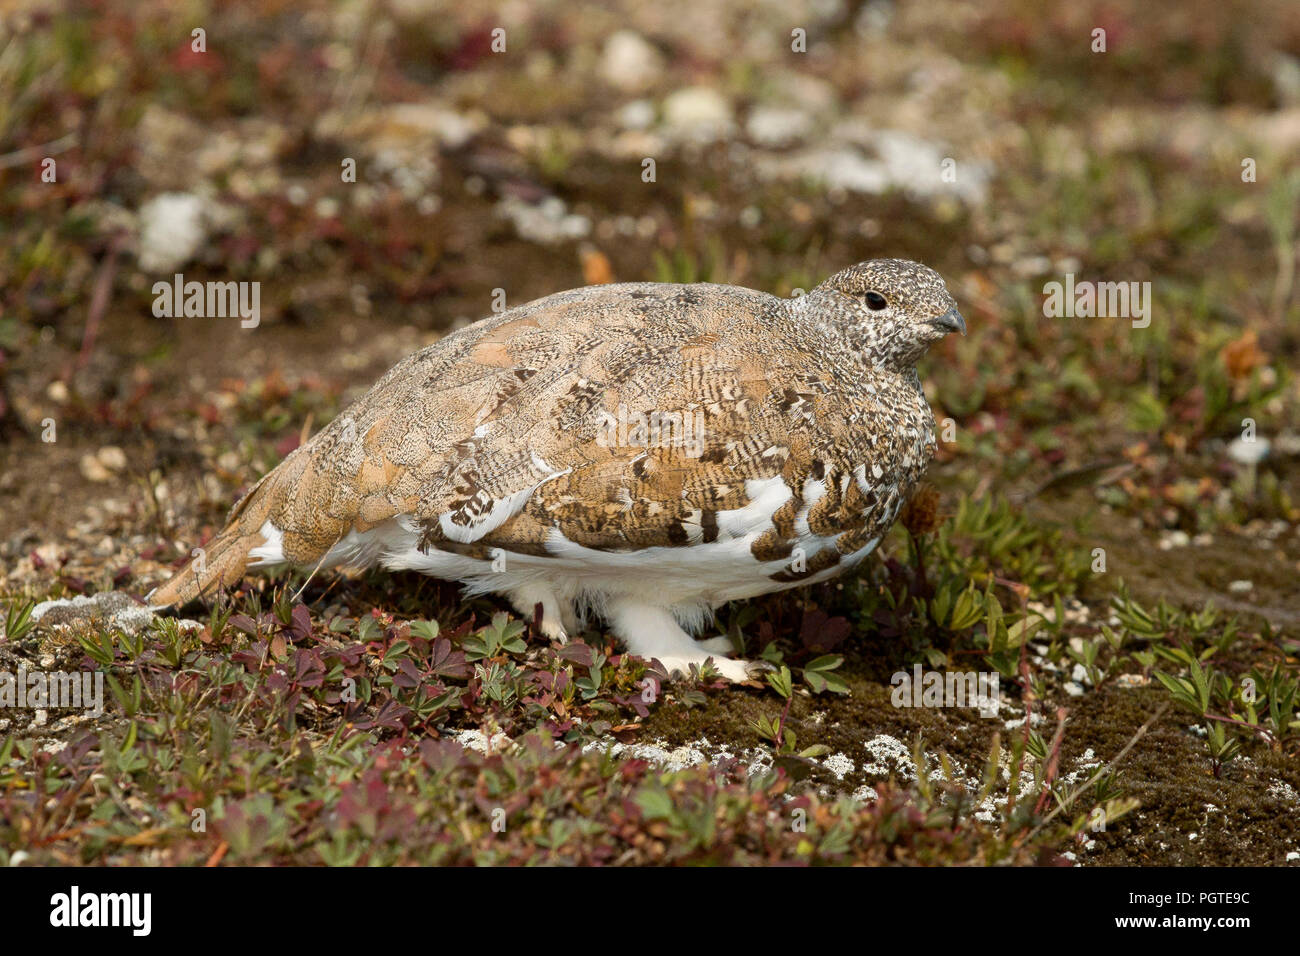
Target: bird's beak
column 950, row 321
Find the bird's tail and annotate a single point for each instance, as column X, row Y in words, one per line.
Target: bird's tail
column 222, row 561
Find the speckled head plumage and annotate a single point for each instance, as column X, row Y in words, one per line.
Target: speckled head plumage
column 646, row 451
column 892, row 309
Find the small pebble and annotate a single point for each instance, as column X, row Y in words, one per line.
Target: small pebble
column 1131, row 680
column 1174, row 539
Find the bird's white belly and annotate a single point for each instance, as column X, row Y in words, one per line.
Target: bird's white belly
column 697, row 573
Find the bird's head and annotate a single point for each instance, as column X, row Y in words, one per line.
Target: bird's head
column 890, row 309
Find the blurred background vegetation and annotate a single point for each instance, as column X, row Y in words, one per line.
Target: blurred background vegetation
column 522, row 169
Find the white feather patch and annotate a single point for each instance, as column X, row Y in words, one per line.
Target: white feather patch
column 271, row 551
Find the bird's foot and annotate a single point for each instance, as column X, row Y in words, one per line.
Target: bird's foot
column 652, row 632
column 529, row 598
column 731, row 669
column 718, row 646
column 554, row 631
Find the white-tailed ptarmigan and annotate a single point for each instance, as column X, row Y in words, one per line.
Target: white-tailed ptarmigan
column 643, row 451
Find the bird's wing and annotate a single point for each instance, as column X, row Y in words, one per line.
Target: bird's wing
column 513, row 427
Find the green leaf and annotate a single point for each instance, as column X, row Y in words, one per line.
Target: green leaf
column 425, row 629
column 1022, row 630
column 655, row 803
column 781, row 681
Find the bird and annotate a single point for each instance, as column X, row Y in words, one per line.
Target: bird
column 640, row 453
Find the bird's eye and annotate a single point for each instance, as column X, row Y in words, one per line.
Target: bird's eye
column 876, row 301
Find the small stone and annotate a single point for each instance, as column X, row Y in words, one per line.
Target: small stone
column 92, row 469
column 1031, row 266
column 840, row 167
column 629, row 62
column 697, row 113
column 1131, row 680
column 773, row 126
column 112, row 458
column 638, row 114
column 1174, row 539
column 1241, row 587
column 547, row 222
column 1249, row 452
column 172, row 231
column 408, row 123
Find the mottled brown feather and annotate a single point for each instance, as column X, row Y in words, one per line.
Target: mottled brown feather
column 512, row 402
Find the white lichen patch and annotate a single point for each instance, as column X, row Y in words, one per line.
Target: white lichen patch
column 113, row 609
column 694, row 754
column 889, row 756
column 1283, row 791
column 839, row 764
column 481, row 742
